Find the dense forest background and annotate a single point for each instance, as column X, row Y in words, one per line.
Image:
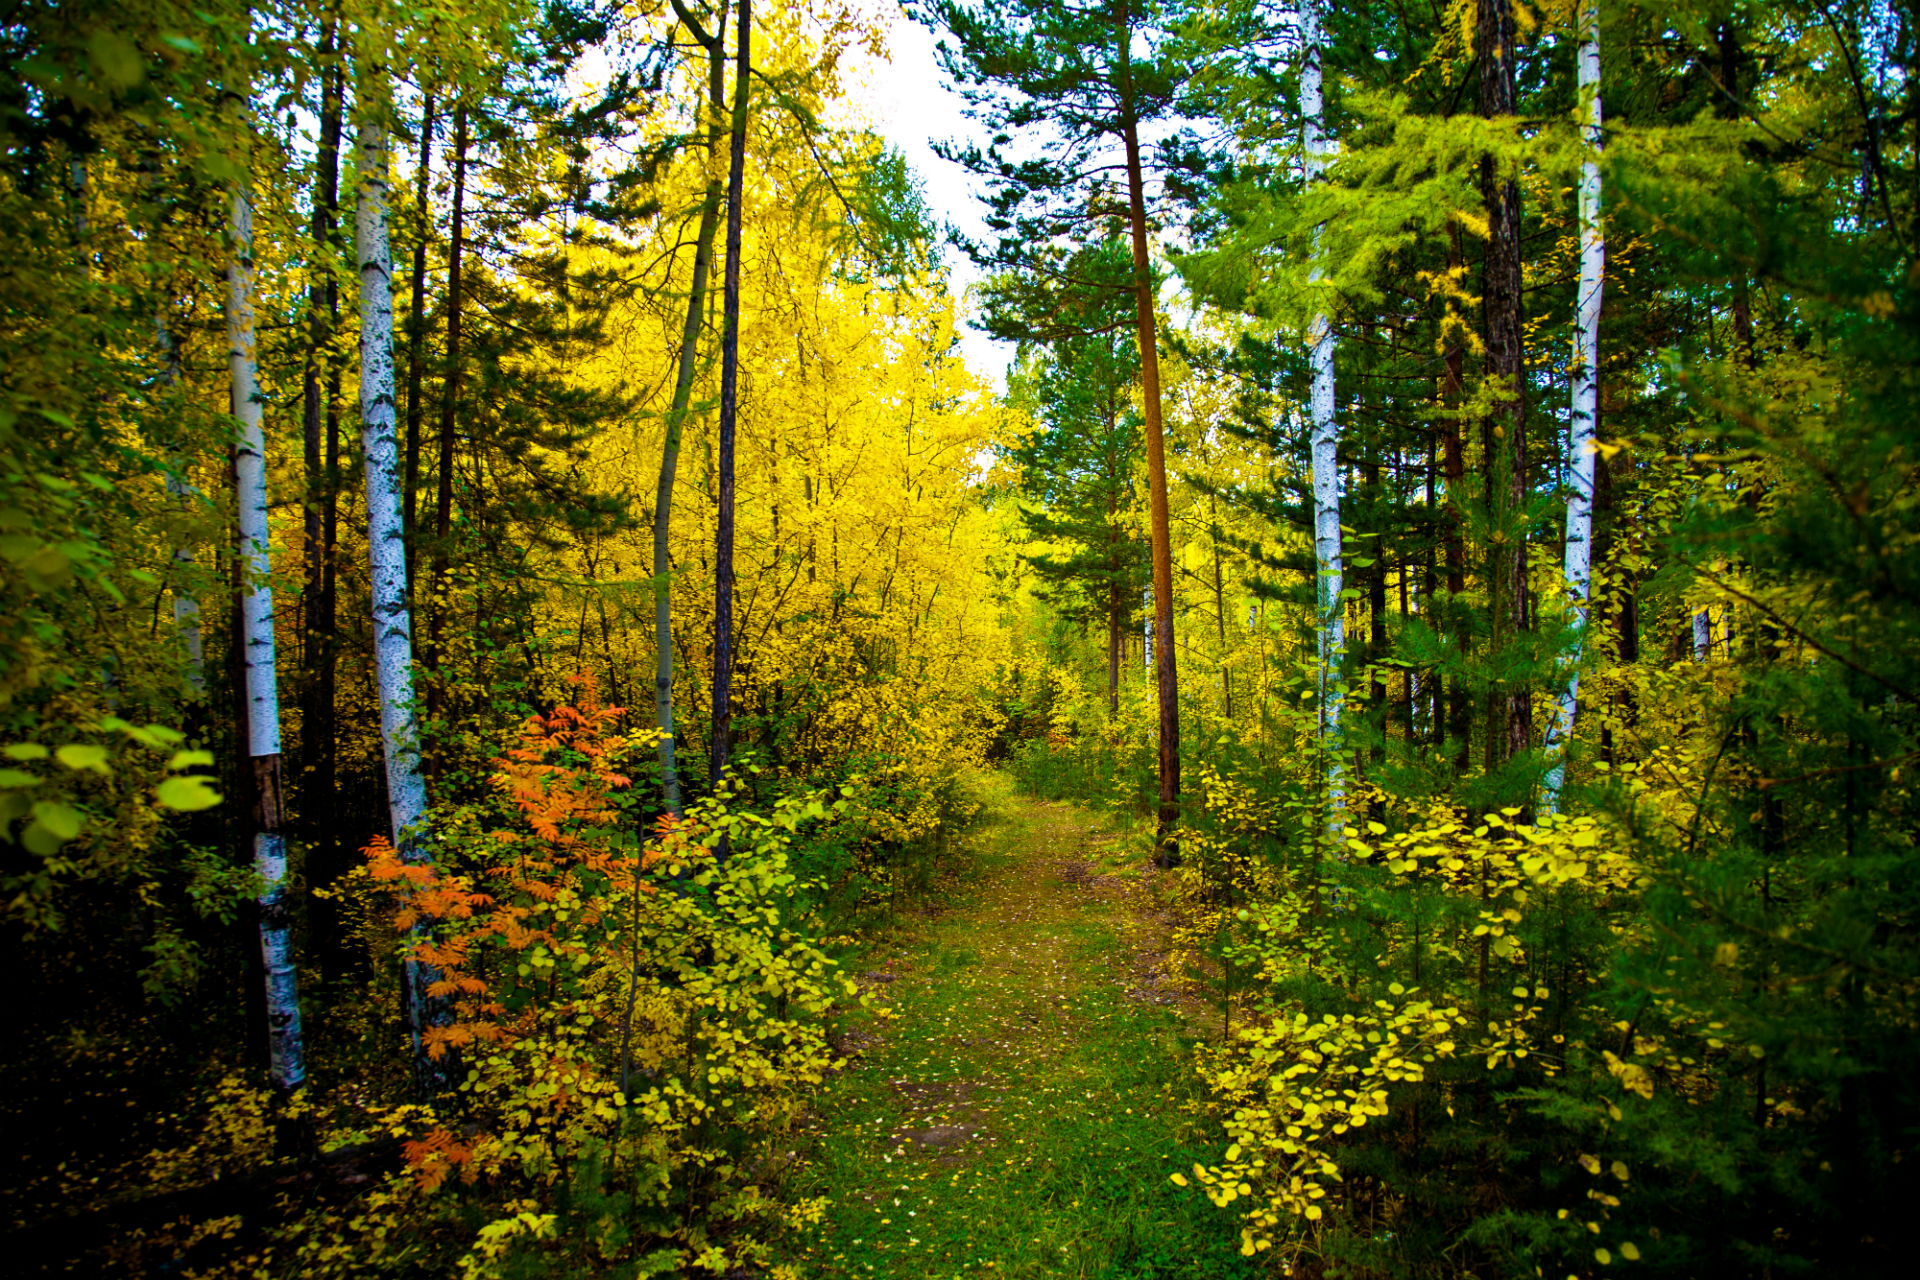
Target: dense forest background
column 508, row 577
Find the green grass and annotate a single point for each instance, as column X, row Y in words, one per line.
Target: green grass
column 1019, row 1113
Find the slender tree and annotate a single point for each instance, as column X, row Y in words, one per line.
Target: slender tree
column 722, row 745
column 1085, row 74
column 286, row 1053
column 1578, row 570
column 688, row 362
column 386, row 538
column 417, row 323
column 1504, row 428
column 1076, row 471
column 1329, row 585
column 320, row 438
column 449, row 413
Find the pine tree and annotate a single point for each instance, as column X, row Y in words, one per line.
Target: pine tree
column 1022, row 63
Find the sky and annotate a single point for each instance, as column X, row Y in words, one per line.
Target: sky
column 910, row 106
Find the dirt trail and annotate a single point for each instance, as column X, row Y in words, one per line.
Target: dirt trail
column 1019, row 1112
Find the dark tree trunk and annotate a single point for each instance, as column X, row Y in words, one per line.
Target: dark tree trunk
column 1166, row 675
column 1728, row 108
column 677, row 414
column 1504, row 429
column 417, row 336
column 1377, row 609
column 320, row 433
column 449, row 412
column 721, row 746
column 1453, row 459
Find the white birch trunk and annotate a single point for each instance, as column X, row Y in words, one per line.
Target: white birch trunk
column 286, row 1052
column 1702, row 636
column 1146, row 632
column 1326, row 431
column 386, row 536
column 1578, row 569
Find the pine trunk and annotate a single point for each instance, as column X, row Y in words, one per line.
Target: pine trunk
column 1166, row 676
column 1505, row 426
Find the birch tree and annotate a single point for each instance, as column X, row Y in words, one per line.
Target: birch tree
column 287, row 1059
column 386, row 534
column 1578, row 569
column 1325, row 437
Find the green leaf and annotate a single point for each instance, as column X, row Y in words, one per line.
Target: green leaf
column 26, row 751
column 189, row 759
column 17, row 778
column 47, row 569
column 40, row 841
column 116, row 57
column 62, row 820
column 187, row 794
column 78, row 756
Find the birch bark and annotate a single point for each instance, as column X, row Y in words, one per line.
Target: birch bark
column 1578, row 565
column 1325, row 438
column 286, row 1056
column 386, row 538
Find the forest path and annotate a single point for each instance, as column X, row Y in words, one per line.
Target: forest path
column 1019, row 1114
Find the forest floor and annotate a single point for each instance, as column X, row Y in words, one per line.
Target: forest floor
column 1019, row 1110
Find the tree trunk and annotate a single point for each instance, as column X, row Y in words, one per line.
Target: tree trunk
column 417, row 326
column 1505, row 426
column 1220, row 609
column 1377, row 610
column 1329, row 584
column 677, row 413
column 1578, row 564
column 449, row 408
column 285, row 1051
column 1166, row 677
column 320, row 438
column 1454, row 464
column 386, row 549
column 721, row 745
